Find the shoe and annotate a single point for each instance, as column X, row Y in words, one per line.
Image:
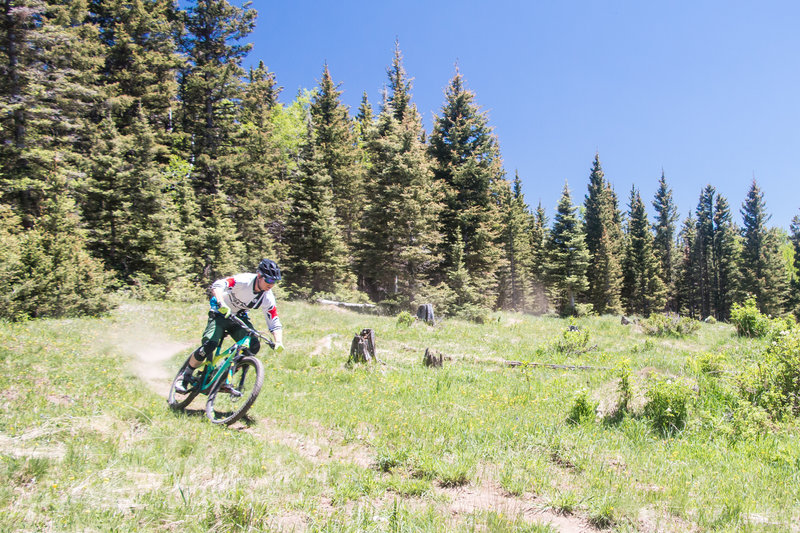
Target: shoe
column 183, row 384
column 228, row 389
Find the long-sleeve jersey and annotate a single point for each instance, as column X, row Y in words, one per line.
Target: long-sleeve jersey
column 239, row 292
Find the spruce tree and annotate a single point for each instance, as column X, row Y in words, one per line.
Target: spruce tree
column 704, row 248
column 763, row 274
column 603, row 240
column 794, row 285
column 643, row 291
column 515, row 279
column 664, row 239
column 727, row 254
column 566, row 256
column 318, row 257
column 687, row 291
column 467, row 164
column 539, row 236
column 400, row 239
column 337, row 151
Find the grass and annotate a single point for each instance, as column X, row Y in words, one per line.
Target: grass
column 88, row 444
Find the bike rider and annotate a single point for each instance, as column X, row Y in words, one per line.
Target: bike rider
column 235, row 295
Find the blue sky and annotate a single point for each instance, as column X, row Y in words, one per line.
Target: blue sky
column 707, row 90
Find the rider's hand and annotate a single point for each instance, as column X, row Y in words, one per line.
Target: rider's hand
column 278, row 347
column 224, row 310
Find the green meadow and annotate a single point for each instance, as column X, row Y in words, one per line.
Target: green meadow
column 602, row 428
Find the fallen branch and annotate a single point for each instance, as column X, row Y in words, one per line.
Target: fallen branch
column 558, row 367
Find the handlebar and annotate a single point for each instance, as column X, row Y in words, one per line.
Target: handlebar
column 250, row 330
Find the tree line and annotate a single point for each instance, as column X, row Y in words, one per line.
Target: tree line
column 138, row 155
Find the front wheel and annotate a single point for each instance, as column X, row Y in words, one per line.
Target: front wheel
column 230, row 398
column 179, row 400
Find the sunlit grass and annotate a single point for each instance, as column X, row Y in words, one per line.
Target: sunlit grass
column 89, row 445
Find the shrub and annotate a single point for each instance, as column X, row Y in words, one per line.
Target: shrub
column 672, row 325
column 748, row 319
column 572, row 340
column 583, row 409
column 405, row 319
column 708, row 363
column 666, row 406
column 773, row 383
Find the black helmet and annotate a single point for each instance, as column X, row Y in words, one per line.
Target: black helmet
column 269, row 270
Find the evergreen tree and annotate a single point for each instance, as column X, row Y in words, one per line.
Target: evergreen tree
column 141, row 60
column 318, row 257
column 338, row 152
column 400, row 239
column 566, row 256
column 687, row 291
column 539, row 236
column 60, row 277
column 467, row 164
column 763, row 274
column 515, row 279
column 210, row 87
column 603, row 241
column 726, row 253
column 794, row 285
column 664, row 240
column 48, row 95
column 643, row 291
column 704, row 248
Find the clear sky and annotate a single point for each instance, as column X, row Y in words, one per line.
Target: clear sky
column 708, row 91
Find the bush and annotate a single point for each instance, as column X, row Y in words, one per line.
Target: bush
column 572, row 340
column 405, row 319
column 583, row 409
column 708, row 363
column 748, row 319
column 666, row 406
column 774, row 382
column 671, row 325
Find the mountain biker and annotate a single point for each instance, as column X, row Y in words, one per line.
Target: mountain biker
column 235, row 295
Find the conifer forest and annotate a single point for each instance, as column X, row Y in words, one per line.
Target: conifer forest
column 139, row 157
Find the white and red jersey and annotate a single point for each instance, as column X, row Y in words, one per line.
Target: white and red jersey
column 239, row 292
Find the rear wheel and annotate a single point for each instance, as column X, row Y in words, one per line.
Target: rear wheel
column 230, row 399
column 179, row 400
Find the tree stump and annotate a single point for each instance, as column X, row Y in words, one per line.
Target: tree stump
column 425, row 312
column 362, row 349
column 431, row 358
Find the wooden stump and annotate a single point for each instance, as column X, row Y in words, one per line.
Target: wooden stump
column 425, row 312
column 362, row 349
column 431, row 358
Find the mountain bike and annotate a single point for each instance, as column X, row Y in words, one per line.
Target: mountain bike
column 232, row 380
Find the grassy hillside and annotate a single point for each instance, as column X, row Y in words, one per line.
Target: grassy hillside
column 88, row 442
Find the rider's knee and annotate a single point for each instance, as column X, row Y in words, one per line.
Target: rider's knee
column 208, row 348
column 255, row 345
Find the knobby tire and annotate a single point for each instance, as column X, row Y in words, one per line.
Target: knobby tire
column 178, row 400
column 248, row 378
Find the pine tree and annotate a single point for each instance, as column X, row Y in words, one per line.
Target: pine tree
column 687, row 291
column 603, row 241
column 704, row 248
column 318, row 257
column 763, row 275
column 515, row 279
column 794, row 238
column 399, row 244
column 643, row 291
column 48, row 95
column 60, row 276
column 664, row 240
column 539, row 236
column 726, row 253
column 141, row 60
column 337, row 150
column 566, row 256
column 467, row 164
